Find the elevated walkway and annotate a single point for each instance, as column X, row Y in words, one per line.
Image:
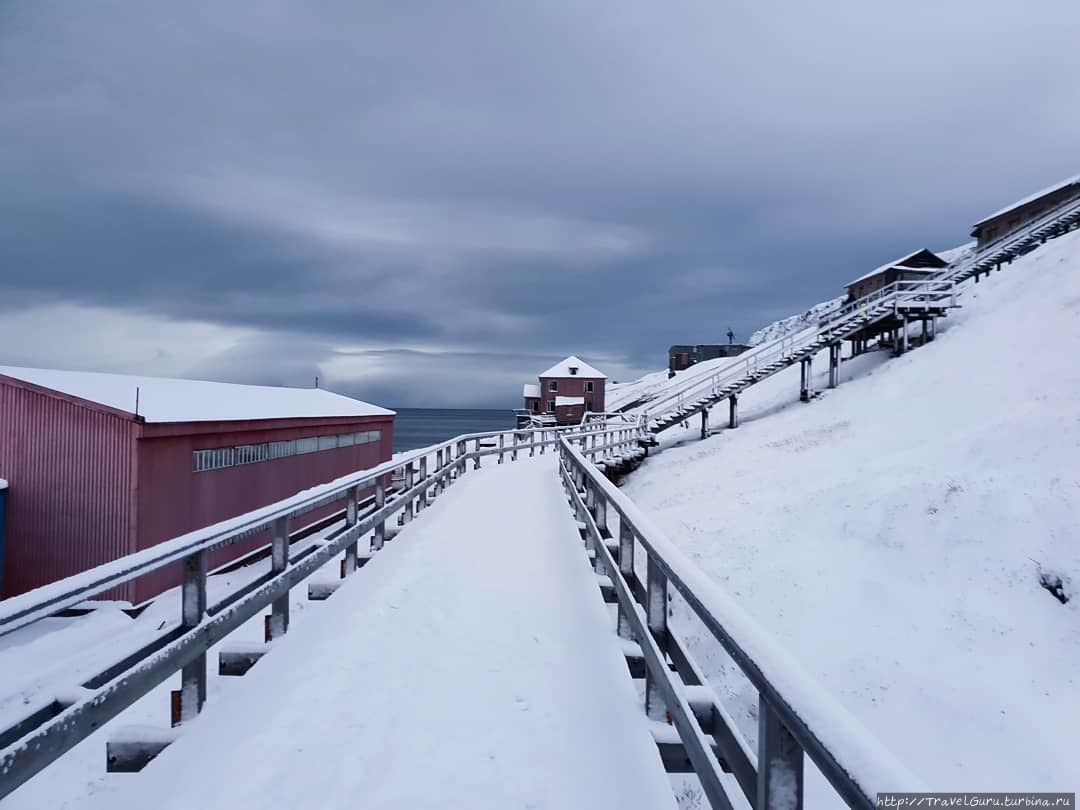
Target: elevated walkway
column 889, row 309
column 471, row 664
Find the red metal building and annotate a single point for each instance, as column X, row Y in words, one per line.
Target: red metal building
column 103, row 465
column 567, row 391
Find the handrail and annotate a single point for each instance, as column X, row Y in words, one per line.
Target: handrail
column 1049, row 218
column 27, row 608
column 921, row 292
column 936, row 287
column 796, row 716
column 49, row 730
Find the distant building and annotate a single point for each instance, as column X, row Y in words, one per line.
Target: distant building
column 1006, row 221
column 913, row 267
column 103, row 465
column 682, row 357
column 565, row 393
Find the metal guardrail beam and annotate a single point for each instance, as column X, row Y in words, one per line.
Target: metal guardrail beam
column 795, row 715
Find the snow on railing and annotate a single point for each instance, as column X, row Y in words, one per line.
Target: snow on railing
column 48, row 731
column 1013, row 239
column 928, row 293
column 796, row 717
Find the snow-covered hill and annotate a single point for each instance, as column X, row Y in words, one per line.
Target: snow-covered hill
column 796, row 323
column 896, row 533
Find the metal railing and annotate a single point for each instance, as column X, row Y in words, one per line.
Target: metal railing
column 1011, row 241
column 899, row 295
column 796, row 718
column 54, row 727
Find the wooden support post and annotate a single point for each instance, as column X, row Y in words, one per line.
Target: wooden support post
column 351, row 498
column 804, row 380
column 502, row 444
column 476, row 458
column 380, row 528
column 656, row 614
column 626, row 568
column 925, row 331
column 278, row 623
column 192, row 694
column 513, row 452
column 933, row 328
column 532, row 443
column 780, row 763
column 834, row 365
column 733, row 411
column 902, row 346
column 440, row 481
column 704, row 422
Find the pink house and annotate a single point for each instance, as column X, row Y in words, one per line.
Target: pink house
column 566, row 392
column 103, row 465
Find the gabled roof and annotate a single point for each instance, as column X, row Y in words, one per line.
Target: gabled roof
column 163, row 399
column 530, row 390
column 925, row 261
column 562, row 369
column 1068, row 181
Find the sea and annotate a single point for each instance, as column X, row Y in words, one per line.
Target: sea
column 420, row 427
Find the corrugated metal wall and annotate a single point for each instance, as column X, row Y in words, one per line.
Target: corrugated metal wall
column 71, row 474
column 174, row 499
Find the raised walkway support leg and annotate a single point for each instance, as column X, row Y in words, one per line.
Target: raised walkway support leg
column 903, row 344
column 925, row 332
column 704, row 422
column 834, row 365
column 733, row 411
column 806, row 384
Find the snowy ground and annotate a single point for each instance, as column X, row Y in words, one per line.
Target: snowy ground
column 893, row 532
column 470, row 664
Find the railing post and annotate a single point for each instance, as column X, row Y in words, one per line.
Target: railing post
column 513, row 452
column 279, row 555
column 600, row 516
column 380, row 527
column 532, row 443
column 422, row 501
column 656, row 614
column 502, row 444
column 780, row 763
column 463, row 465
column 351, row 496
column 476, row 459
column 626, row 568
column 439, row 472
column 409, row 481
column 192, row 610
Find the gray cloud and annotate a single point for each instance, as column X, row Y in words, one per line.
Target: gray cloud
column 401, row 196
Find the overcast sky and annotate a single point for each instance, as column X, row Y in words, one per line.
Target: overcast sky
column 426, row 204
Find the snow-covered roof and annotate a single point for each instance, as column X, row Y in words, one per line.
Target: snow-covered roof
column 530, row 390
column 560, row 401
column 898, row 264
column 1069, row 181
column 162, row 399
column 562, row 369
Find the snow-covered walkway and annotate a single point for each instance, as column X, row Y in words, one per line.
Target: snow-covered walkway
column 470, row 664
